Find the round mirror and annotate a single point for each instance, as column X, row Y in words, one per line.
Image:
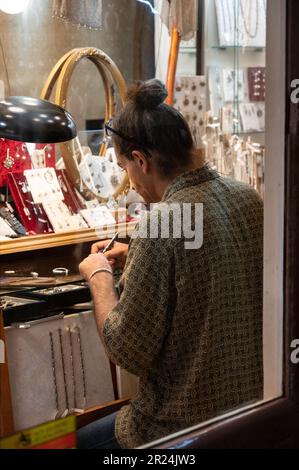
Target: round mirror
column 89, row 161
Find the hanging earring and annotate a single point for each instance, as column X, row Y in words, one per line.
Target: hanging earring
column 48, row 149
column 18, row 156
column 23, row 152
column 9, row 161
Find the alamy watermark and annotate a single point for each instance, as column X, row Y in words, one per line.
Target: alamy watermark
column 295, row 92
column 166, row 221
column 295, row 353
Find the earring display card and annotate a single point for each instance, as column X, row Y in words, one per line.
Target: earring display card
column 257, row 83
column 190, row 100
column 101, row 174
column 98, row 217
column 261, row 114
column 234, row 85
column 69, row 194
column 252, row 116
column 228, row 116
column 43, row 185
column 49, row 152
column 216, row 93
column 33, row 216
column 61, row 217
column 14, row 158
column 66, row 362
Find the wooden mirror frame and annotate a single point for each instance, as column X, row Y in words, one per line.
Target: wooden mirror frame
column 61, row 75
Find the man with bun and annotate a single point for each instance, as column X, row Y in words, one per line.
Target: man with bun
column 188, row 322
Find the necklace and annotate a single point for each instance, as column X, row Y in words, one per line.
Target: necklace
column 64, row 374
column 227, row 29
column 81, row 365
column 25, row 208
column 54, row 372
column 246, row 14
column 73, row 370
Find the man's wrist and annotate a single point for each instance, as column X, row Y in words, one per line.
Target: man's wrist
column 100, row 272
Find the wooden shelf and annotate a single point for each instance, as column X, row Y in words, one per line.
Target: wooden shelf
column 37, row 242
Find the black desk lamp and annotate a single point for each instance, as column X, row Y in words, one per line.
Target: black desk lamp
column 33, row 120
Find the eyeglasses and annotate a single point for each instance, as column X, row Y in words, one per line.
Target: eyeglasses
column 109, row 131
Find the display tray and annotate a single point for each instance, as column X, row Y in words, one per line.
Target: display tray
column 21, row 281
column 62, row 296
column 19, row 309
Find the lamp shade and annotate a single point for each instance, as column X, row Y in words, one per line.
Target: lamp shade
column 34, row 120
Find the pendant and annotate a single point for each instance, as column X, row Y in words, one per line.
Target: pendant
column 9, row 161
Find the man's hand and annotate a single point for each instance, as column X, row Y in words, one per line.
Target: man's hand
column 91, row 263
column 101, row 286
column 116, row 256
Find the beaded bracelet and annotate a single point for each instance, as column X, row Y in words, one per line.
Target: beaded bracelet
column 100, row 270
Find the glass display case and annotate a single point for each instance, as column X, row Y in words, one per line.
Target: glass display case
column 225, row 106
column 70, row 191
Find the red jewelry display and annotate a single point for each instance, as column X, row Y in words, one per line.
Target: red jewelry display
column 49, row 150
column 32, row 215
column 14, row 158
column 257, row 83
column 69, row 194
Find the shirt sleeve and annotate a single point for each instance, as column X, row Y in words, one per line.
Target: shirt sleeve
column 135, row 329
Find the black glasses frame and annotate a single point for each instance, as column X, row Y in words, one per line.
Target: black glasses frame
column 109, row 129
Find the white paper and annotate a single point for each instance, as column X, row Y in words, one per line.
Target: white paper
column 98, row 217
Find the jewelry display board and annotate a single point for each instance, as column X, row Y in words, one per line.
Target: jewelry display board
column 241, row 22
column 190, row 100
column 65, row 360
column 14, row 158
column 238, row 98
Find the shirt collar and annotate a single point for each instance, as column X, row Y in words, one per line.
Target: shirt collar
column 190, row 178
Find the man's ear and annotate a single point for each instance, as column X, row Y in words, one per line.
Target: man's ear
column 141, row 161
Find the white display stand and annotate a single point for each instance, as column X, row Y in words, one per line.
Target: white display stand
column 35, row 397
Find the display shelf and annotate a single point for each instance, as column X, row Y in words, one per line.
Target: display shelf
column 246, row 48
column 37, row 242
column 187, row 50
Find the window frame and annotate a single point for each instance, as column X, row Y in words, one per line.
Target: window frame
column 273, row 424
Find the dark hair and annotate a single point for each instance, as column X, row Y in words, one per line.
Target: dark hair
column 153, row 127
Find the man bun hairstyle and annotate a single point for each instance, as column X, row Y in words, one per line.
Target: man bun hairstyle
column 147, row 95
column 153, row 127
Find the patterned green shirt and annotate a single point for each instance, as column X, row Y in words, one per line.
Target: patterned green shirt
column 189, row 322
